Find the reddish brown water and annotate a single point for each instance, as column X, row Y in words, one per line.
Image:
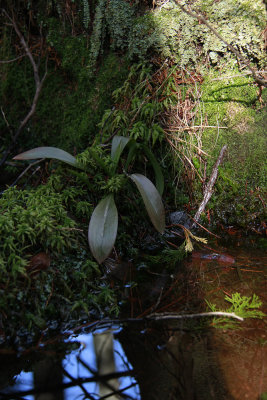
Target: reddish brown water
column 177, row 360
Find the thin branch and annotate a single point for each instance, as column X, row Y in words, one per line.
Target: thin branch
column 120, row 391
column 199, row 17
column 164, row 316
column 169, row 316
column 72, row 379
column 13, row 59
column 38, row 86
column 175, row 128
column 25, row 170
column 203, row 227
column 7, row 123
column 210, row 185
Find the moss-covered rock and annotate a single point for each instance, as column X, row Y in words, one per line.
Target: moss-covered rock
column 231, row 103
column 170, row 32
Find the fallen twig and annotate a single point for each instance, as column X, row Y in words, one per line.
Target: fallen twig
column 203, row 227
column 168, row 316
column 175, row 128
column 210, row 185
column 25, row 170
column 163, row 317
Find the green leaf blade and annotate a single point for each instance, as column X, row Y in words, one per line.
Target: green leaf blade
column 47, row 152
column 152, row 200
column 157, row 169
column 117, row 146
column 103, row 227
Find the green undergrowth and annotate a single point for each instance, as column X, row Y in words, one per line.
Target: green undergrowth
column 52, row 220
column 37, row 219
column 242, row 306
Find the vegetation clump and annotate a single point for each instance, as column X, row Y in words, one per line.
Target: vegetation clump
column 32, row 219
column 185, row 96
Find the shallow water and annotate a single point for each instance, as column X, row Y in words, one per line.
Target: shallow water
column 188, row 360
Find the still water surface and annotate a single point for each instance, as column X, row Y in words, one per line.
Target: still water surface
column 159, row 360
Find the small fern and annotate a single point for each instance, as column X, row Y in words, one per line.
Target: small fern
column 243, row 306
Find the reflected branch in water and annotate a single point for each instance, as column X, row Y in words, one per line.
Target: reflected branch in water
column 76, row 382
column 68, row 375
column 120, row 391
column 86, row 366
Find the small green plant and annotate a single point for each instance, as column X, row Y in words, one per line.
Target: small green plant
column 243, row 306
column 32, row 219
column 103, row 224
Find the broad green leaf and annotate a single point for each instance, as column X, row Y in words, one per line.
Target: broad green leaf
column 133, row 148
column 157, row 169
column 103, row 227
column 152, row 200
column 117, row 147
column 47, row 152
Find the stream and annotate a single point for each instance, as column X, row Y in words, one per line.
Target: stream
column 196, row 359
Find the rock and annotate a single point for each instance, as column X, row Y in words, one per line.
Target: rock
column 180, row 217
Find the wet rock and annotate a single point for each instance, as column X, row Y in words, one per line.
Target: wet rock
column 179, row 217
column 176, row 232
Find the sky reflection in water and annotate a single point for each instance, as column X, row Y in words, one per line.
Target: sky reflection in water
column 78, row 364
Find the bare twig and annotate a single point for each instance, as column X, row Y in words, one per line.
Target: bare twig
column 26, row 170
column 72, row 379
column 120, row 391
column 13, row 59
column 164, row 316
column 7, row 123
column 169, row 316
column 210, row 185
column 175, row 128
column 199, row 17
column 203, row 227
column 38, row 85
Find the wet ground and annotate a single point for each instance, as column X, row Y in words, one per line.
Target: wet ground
column 187, row 359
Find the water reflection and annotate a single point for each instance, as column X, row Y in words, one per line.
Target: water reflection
column 171, row 360
column 98, row 369
column 23, row 382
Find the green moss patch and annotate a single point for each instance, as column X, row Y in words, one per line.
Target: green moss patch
column 232, row 104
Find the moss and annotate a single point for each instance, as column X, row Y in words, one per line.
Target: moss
column 229, row 103
column 234, row 106
column 32, row 221
column 171, row 33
